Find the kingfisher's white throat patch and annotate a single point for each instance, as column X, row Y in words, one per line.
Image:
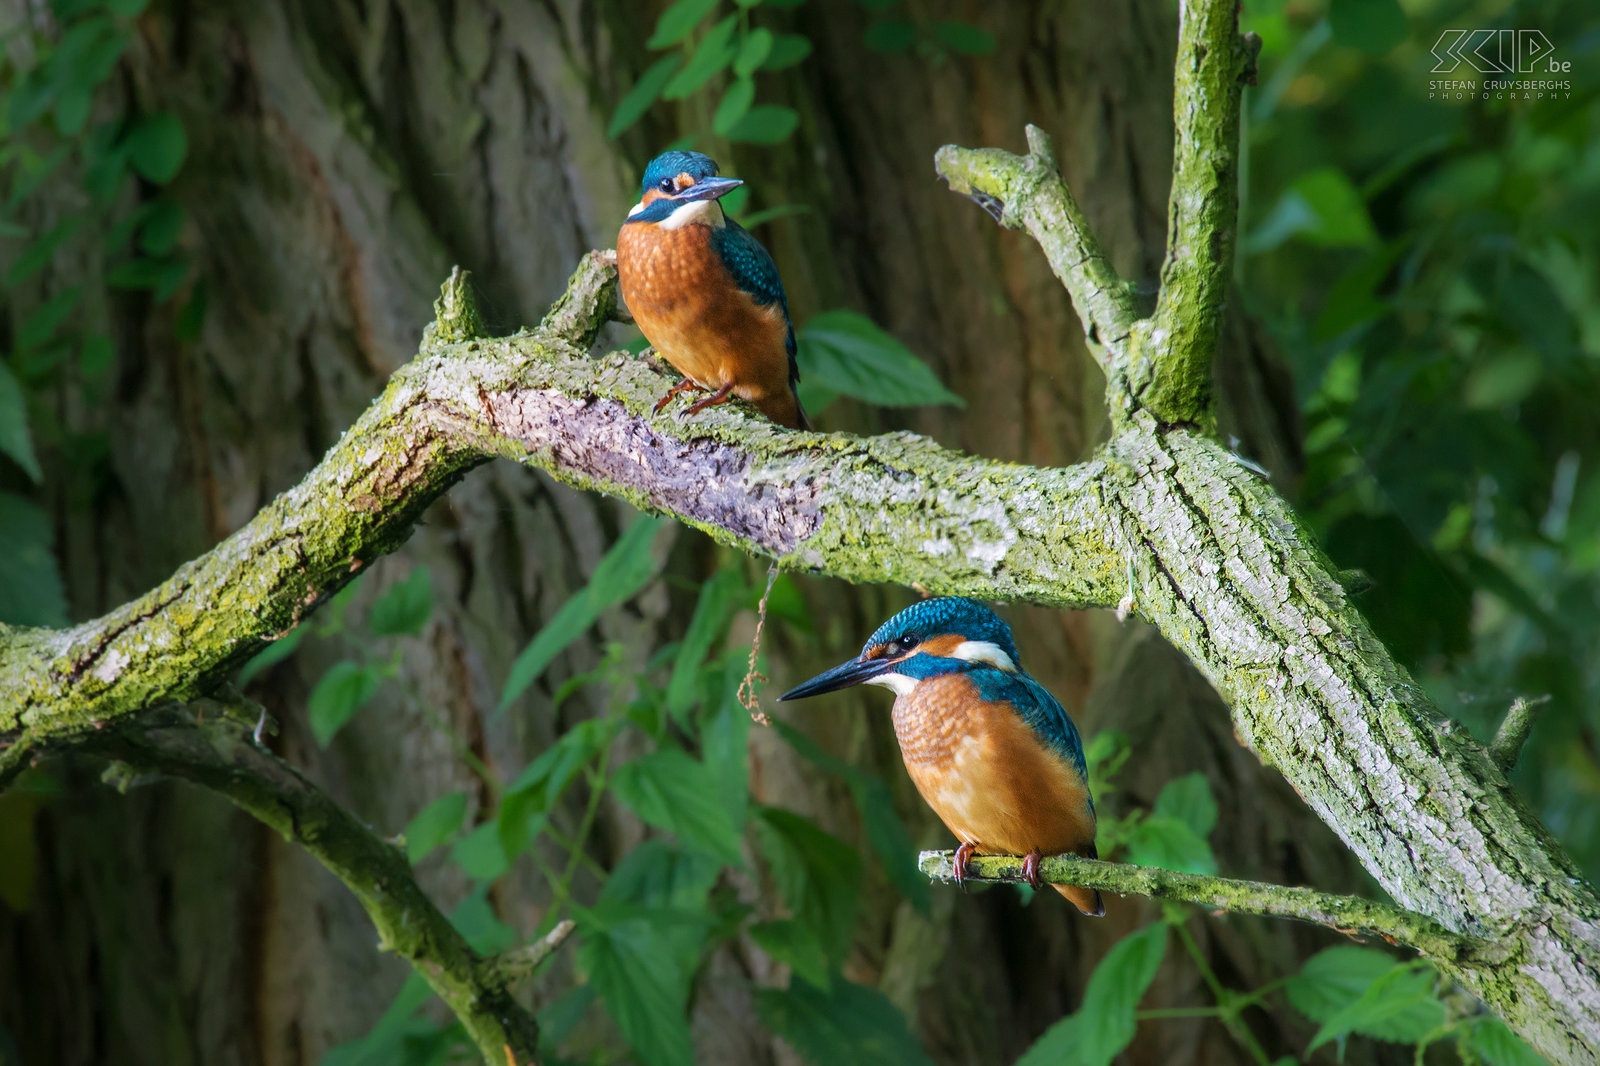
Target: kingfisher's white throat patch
column 984, row 651
column 901, row 684
column 695, row 212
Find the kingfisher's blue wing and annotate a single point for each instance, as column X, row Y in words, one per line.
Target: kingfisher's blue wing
column 755, row 273
column 1040, row 710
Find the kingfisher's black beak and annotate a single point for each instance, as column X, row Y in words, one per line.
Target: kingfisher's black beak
column 844, row 675
column 709, row 189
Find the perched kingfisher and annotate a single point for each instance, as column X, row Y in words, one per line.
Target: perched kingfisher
column 992, row 752
column 705, row 293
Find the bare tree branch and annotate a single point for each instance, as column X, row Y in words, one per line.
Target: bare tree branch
column 1346, row 914
column 213, row 749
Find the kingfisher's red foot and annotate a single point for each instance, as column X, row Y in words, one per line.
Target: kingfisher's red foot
column 963, row 855
column 683, row 386
column 1030, row 869
column 722, row 395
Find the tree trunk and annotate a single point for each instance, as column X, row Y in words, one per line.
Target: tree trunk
column 343, row 157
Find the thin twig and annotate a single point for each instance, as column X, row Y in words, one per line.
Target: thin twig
column 1514, row 730
column 748, row 697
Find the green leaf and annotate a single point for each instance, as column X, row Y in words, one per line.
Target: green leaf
column 161, row 276
column 1334, row 978
column 735, row 103
column 72, row 109
column 41, row 323
column 662, row 873
column 795, row 946
column 41, row 251
column 157, row 146
column 159, row 234
column 817, row 874
column 15, row 440
column 480, row 854
column 753, row 51
column 1401, row 1006
column 404, row 606
column 31, row 593
column 1188, row 799
column 96, row 354
column 842, row 1022
column 1371, row 26
column 766, row 124
column 434, row 824
column 714, row 54
column 676, row 21
column 645, row 91
column 890, row 35
column 719, row 598
column 848, row 353
column 476, row 921
column 273, row 653
column 632, row 965
column 343, row 690
column 1170, row 843
column 767, row 214
column 1497, row 1045
column 1104, row 1023
column 678, row 793
column 964, row 38
column 788, row 49
column 1321, row 206
column 623, row 571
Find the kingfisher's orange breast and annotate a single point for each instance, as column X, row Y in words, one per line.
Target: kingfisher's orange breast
column 688, row 307
column 986, row 774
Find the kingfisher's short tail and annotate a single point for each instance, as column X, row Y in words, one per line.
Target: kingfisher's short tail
column 1086, row 900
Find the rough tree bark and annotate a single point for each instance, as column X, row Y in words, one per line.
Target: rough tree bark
column 365, row 153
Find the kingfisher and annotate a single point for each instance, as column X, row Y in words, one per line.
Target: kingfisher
column 992, row 752
column 705, row 293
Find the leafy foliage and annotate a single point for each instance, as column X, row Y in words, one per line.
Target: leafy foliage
column 1098, row 1030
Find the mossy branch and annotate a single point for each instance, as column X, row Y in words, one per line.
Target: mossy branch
column 1027, row 192
column 1344, row 914
column 209, row 743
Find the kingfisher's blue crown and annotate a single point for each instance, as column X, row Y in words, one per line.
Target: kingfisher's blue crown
column 668, row 165
column 947, row 614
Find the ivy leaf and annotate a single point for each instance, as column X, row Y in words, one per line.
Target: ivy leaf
column 645, row 91
column 343, row 690
column 840, row 1022
column 847, row 353
column 159, row 234
column 766, row 124
column 753, row 51
column 715, row 52
column 31, row 593
column 434, row 824
column 42, row 250
column 1104, row 1024
column 1188, row 799
column 735, row 103
column 404, row 607
column 788, row 49
column 676, row 792
column 676, row 22
column 622, row 572
column 817, row 874
column 157, row 146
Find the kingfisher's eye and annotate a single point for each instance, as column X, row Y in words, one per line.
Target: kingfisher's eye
column 907, row 641
column 666, row 185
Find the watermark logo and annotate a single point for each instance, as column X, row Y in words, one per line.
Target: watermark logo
column 1507, row 57
column 1497, row 52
